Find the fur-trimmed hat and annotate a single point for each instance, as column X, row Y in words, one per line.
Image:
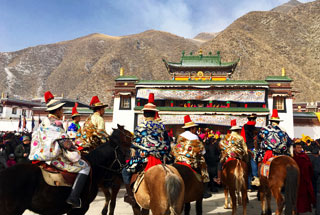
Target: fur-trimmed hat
column 188, row 123
column 275, row 116
column 96, row 103
column 150, row 106
column 52, row 104
column 74, row 110
column 234, row 125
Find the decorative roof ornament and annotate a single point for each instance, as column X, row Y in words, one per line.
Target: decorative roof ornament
column 121, row 71
column 283, row 72
column 200, row 51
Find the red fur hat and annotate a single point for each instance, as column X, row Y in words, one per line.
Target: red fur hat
column 150, row 105
column 74, row 110
column 95, row 103
column 275, row 115
column 188, row 123
column 48, row 96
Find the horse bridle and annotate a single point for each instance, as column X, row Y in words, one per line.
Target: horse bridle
column 116, row 160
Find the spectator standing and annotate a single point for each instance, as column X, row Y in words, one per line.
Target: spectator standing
column 11, row 161
column 315, row 160
column 305, row 193
column 3, row 156
column 22, row 151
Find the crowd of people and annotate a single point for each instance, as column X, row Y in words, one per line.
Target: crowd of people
column 14, row 148
column 202, row 149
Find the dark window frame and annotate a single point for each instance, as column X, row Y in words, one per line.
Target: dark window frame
column 122, row 98
column 284, row 104
column 14, row 111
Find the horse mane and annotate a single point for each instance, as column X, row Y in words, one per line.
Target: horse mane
column 105, row 152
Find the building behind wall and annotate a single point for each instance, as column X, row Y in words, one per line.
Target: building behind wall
column 202, row 87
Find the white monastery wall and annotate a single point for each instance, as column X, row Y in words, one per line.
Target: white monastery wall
column 123, row 117
column 313, row 132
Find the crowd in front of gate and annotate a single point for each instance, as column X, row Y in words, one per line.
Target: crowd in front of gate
column 203, row 149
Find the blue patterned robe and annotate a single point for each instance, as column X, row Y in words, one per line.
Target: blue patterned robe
column 274, row 139
column 73, row 129
column 150, row 138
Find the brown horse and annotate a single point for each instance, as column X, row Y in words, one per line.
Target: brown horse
column 235, row 179
column 110, row 191
column 161, row 191
column 283, row 171
column 193, row 189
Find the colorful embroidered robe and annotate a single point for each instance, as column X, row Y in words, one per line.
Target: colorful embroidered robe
column 73, row 129
column 233, row 146
column 189, row 149
column 274, row 139
column 150, row 138
column 92, row 133
column 45, row 146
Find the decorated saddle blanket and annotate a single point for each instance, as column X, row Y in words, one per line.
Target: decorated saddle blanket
column 229, row 159
column 265, row 167
column 55, row 177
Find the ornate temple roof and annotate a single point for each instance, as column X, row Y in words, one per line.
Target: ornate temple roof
column 200, row 62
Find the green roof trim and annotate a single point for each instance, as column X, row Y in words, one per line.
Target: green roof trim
column 304, row 115
column 278, row 78
column 86, row 110
column 127, row 78
column 194, row 82
column 205, row 109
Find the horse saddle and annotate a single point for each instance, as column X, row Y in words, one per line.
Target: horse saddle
column 196, row 173
column 136, row 180
column 55, row 177
column 265, row 167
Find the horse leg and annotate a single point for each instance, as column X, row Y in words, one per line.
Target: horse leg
column 107, row 196
column 226, row 193
column 279, row 199
column 239, row 198
column 199, row 207
column 244, row 200
column 114, row 193
column 233, row 200
column 268, row 197
column 187, row 207
column 263, row 200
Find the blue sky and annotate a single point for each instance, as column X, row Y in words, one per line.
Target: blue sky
column 25, row 23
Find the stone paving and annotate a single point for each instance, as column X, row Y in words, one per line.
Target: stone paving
column 213, row 205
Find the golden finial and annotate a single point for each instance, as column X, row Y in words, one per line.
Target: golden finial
column 283, row 72
column 121, row 71
column 62, row 95
column 200, row 51
column 2, row 95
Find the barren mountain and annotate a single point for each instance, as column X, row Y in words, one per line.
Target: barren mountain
column 268, row 41
column 87, row 66
column 286, row 7
column 205, row 36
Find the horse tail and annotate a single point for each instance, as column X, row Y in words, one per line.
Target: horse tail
column 173, row 187
column 291, row 188
column 239, row 173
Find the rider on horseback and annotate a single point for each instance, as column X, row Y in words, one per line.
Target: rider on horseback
column 93, row 132
column 50, row 143
column 232, row 147
column 150, row 139
column 273, row 141
column 74, row 126
column 190, row 150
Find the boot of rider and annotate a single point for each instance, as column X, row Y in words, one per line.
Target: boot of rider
column 255, row 181
column 129, row 198
column 74, row 197
column 206, row 193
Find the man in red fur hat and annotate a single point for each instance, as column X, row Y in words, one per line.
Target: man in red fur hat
column 232, row 146
column 150, row 145
column 74, row 126
column 273, row 141
column 190, row 150
column 305, row 193
column 49, row 143
column 93, row 132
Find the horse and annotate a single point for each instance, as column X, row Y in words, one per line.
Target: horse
column 31, row 192
column 193, row 188
column 235, row 179
column 110, row 190
column 283, row 172
column 161, row 191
